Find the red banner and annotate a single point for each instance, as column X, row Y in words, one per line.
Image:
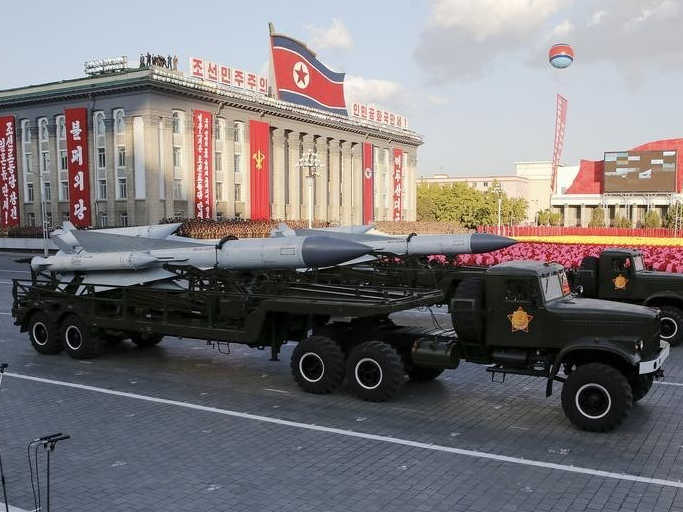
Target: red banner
column 77, row 163
column 259, row 144
column 368, row 184
column 398, row 184
column 203, row 159
column 560, row 123
column 9, row 211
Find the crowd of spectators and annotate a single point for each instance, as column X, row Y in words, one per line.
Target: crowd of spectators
column 405, row 227
column 205, row 228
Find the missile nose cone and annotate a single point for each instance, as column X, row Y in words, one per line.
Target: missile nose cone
column 483, row 242
column 326, row 251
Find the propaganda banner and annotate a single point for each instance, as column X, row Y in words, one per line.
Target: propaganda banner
column 560, row 124
column 9, row 187
column 368, row 184
column 259, row 165
column 203, row 164
column 398, row 184
column 77, row 165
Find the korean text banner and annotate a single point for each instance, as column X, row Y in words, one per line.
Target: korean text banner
column 9, row 212
column 203, row 158
column 368, row 184
column 77, row 163
column 259, row 165
column 398, row 184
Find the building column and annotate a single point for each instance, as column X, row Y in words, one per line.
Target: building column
column 308, row 144
column 278, row 164
column 346, row 182
column 295, row 173
column 229, row 168
column 357, row 183
column 584, row 215
column 411, row 184
column 335, row 181
column 321, row 182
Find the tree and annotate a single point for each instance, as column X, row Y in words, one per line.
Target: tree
column 652, row 219
column 597, row 218
column 544, row 218
column 669, row 220
column 555, row 219
column 620, row 221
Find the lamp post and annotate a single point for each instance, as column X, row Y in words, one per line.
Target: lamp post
column 498, row 190
column 312, row 162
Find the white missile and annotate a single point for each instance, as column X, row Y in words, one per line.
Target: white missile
column 66, row 241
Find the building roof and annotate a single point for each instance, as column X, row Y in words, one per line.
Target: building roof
column 155, row 78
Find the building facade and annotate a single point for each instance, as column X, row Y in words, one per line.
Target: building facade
column 142, row 160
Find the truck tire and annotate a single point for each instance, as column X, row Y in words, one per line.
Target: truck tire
column 146, row 340
column 641, row 385
column 375, row 371
column 424, row 373
column 671, row 322
column 78, row 340
column 44, row 334
column 467, row 321
column 587, row 276
column 318, row 365
column 596, row 397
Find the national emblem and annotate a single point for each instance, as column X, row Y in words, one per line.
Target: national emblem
column 620, row 282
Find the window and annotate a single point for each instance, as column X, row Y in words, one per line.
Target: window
column 101, row 189
column 218, row 128
column 121, row 154
column 177, row 157
column 29, row 192
column 176, row 123
column 122, row 189
column 45, row 161
column 486, row 184
column 101, row 158
column 102, row 220
column 99, row 123
column 124, row 219
column 238, row 192
column 61, row 128
column 48, row 218
column 65, row 216
column 25, row 131
column 238, row 127
column 44, row 134
column 47, row 195
column 179, row 214
column 516, row 290
column 62, row 160
column 219, row 191
column 31, row 219
column 64, row 192
column 177, row 189
column 27, row 163
column 238, row 163
column 119, row 122
column 218, row 167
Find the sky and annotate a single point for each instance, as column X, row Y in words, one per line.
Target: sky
column 471, row 76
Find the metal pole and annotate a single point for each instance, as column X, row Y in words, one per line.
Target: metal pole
column 676, row 221
column 311, row 177
column 48, row 478
column 2, row 472
column 500, row 200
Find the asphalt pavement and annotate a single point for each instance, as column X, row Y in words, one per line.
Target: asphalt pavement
column 181, row 427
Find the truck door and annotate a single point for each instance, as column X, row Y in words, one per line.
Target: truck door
column 515, row 316
column 616, row 278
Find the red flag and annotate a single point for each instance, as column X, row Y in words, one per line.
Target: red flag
column 77, row 163
column 398, row 184
column 203, row 158
column 259, row 144
column 9, row 186
column 368, row 184
column 560, row 123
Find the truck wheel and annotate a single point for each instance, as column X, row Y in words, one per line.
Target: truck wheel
column 671, row 325
column 375, row 371
column 596, row 397
column 145, row 340
column 43, row 334
column 641, row 385
column 77, row 339
column 424, row 373
column 318, row 365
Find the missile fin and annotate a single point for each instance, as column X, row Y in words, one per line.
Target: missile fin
column 95, row 242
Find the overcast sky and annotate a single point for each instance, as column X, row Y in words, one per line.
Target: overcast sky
column 472, row 76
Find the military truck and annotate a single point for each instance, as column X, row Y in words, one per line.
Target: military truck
column 620, row 275
column 520, row 318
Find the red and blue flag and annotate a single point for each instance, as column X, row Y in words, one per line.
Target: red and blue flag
column 301, row 78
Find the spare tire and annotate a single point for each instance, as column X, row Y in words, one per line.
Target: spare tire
column 466, row 309
column 587, row 276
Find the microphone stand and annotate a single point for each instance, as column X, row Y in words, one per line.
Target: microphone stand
column 49, row 445
column 2, row 472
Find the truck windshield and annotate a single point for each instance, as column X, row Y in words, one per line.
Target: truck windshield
column 555, row 286
column 638, row 264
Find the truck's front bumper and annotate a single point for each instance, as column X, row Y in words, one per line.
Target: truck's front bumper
column 656, row 363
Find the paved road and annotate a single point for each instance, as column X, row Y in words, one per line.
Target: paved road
column 181, row 427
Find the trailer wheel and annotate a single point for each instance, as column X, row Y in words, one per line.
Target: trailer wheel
column 424, row 373
column 596, row 397
column 145, row 340
column 43, row 334
column 641, row 385
column 318, row 365
column 671, row 325
column 78, row 340
column 375, row 371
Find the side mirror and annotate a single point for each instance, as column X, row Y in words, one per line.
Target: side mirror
column 579, row 290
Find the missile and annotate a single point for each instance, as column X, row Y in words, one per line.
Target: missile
column 92, row 262
column 66, row 242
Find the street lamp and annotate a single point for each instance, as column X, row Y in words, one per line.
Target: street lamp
column 312, row 162
column 498, row 190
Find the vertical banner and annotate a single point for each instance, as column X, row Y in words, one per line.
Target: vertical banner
column 368, row 184
column 77, row 164
column 259, row 165
column 203, row 160
column 560, row 123
column 398, row 184
column 9, row 212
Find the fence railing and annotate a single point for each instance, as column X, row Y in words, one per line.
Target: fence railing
column 577, row 231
